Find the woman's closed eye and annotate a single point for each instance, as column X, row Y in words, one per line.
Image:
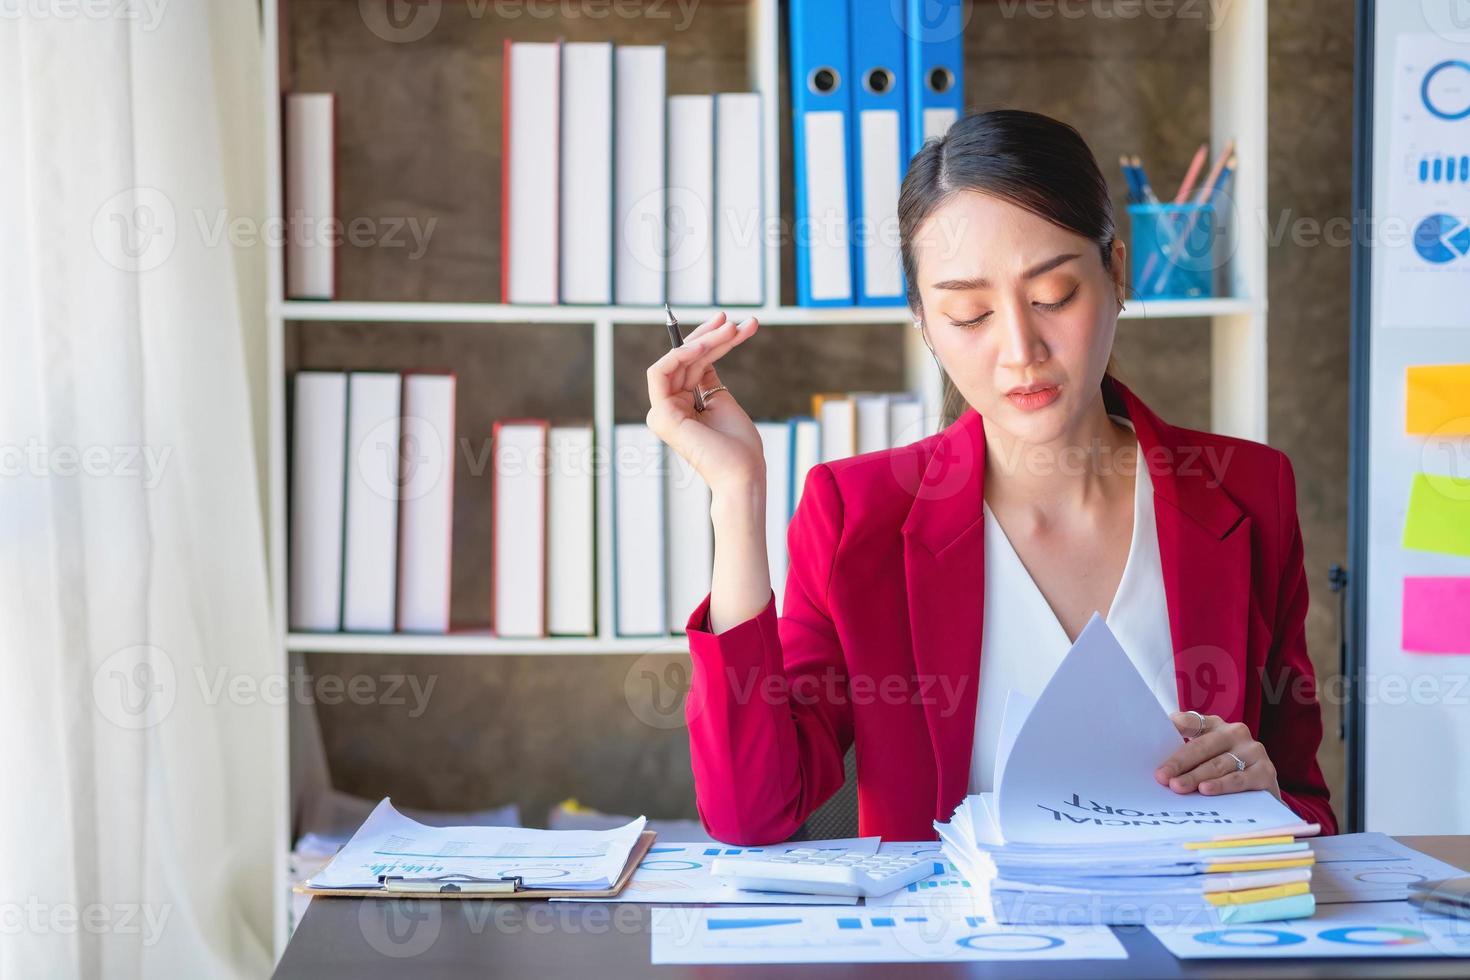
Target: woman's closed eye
column 1051, row 307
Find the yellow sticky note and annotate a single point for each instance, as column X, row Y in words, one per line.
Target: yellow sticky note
column 1248, row 895
column 1199, row 845
column 1437, row 400
column 1439, row 515
column 1262, row 865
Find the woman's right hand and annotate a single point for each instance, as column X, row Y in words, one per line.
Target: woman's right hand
column 721, row 443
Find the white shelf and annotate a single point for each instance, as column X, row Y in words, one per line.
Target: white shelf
column 479, row 644
column 472, row 313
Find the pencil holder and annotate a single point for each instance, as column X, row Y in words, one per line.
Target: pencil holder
column 1174, row 250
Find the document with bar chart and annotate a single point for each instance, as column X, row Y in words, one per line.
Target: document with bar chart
column 1424, row 233
column 863, row 935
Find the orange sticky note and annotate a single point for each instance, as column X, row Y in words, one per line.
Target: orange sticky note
column 1437, row 400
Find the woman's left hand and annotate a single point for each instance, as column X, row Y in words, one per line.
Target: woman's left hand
column 1205, row 762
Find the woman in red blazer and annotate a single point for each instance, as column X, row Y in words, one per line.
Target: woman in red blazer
column 1016, row 278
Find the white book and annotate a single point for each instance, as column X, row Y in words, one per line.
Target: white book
column 872, row 421
column 426, row 511
column 369, row 596
column 318, row 460
column 571, row 562
column 311, row 195
column 838, row 418
column 638, row 530
column 691, row 538
column 691, row 200
column 586, row 172
column 532, row 179
column 905, row 420
column 638, row 174
column 776, row 445
column 739, row 231
column 518, row 545
column 806, row 452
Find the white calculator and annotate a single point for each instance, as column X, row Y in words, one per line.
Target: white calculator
column 815, row 872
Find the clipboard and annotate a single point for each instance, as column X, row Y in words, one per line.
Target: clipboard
column 508, row 888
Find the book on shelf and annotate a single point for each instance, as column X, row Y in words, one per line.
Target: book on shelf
column 639, row 176
column 370, row 540
column 426, row 508
column 318, row 486
column 530, row 178
column 310, row 185
column 691, row 200
column 691, row 552
column 776, row 444
column 586, row 172
column 518, row 530
column 571, row 562
column 638, row 531
column 739, row 232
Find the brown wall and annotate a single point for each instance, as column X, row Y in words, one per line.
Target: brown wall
column 419, row 135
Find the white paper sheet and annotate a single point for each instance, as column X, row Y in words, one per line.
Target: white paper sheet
column 1079, row 774
column 390, row 843
column 861, row 935
column 1374, row 929
column 1371, row 868
column 681, row 873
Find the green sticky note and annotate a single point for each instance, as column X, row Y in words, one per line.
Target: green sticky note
column 1439, row 515
column 1271, row 910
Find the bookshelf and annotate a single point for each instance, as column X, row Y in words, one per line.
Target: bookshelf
column 1236, row 325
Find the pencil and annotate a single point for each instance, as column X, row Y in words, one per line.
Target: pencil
column 1192, row 174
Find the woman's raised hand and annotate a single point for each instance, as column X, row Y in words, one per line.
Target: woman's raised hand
column 721, row 442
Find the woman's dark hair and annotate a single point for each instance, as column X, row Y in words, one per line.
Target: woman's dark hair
column 1033, row 161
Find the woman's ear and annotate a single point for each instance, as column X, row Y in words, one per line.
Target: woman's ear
column 1119, row 268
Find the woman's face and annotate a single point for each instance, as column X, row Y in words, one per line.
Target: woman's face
column 1020, row 312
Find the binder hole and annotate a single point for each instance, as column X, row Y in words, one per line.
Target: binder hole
column 878, row 81
column 823, row 81
column 940, row 79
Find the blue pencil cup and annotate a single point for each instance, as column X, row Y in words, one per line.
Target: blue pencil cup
column 1175, row 250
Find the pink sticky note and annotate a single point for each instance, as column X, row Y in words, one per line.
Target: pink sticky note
column 1437, row 614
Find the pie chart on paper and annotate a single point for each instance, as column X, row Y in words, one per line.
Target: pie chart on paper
column 1441, row 238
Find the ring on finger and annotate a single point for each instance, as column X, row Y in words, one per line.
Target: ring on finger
column 1201, row 729
column 1239, row 763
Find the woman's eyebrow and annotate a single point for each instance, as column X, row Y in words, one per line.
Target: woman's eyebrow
column 1031, row 273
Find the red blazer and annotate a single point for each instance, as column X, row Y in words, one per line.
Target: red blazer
column 879, row 637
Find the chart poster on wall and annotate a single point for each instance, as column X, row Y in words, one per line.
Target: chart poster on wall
column 1424, row 235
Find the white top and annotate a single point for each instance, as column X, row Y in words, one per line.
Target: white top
column 1024, row 642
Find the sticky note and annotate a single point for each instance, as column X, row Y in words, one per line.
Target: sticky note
column 1437, row 400
column 1437, row 614
column 1439, row 515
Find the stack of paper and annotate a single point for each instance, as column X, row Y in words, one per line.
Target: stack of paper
column 390, row 844
column 1078, row 830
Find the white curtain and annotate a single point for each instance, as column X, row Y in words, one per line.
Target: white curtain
column 141, row 712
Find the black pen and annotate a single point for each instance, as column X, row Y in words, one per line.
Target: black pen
column 673, row 327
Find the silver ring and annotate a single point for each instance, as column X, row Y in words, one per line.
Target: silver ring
column 1201, row 729
column 705, row 394
column 1239, row 765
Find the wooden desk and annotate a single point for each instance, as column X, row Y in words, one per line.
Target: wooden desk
column 369, row 938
